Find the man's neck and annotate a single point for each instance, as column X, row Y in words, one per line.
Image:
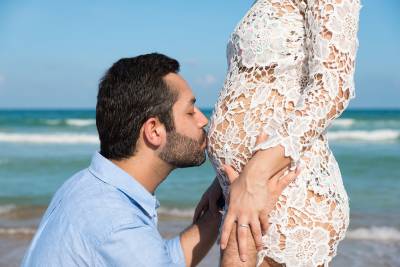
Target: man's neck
column 148, row 169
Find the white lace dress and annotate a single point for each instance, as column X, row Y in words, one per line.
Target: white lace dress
column 291, row 73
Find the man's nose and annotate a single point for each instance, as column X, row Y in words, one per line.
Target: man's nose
column 203, row 121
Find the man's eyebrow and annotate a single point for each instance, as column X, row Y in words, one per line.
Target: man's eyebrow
column 193, row 100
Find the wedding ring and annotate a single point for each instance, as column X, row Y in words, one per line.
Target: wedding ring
column 244, row 225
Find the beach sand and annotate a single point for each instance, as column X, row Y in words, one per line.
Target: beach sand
column 15, row 240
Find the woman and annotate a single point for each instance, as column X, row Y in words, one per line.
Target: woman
column 290, row 74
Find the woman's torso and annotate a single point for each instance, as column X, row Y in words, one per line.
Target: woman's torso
column 267, row 72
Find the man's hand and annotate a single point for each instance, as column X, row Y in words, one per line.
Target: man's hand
column 251, row 201
column 211, row 200
column 198, row 238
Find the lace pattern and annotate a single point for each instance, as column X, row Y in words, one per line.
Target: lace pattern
column 290, row 73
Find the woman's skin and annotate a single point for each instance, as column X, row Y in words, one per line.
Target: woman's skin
column 263, row 190
column 247, row 203
column 230, row 255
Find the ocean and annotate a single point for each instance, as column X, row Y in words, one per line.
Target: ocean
column 40, row 149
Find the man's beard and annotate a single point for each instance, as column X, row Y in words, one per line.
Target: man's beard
column 182, row 151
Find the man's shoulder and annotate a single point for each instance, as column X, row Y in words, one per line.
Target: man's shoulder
column 94, row 208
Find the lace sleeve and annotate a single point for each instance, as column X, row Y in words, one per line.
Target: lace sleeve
column 331, row 34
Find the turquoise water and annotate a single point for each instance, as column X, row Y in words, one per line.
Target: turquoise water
column 39, row 150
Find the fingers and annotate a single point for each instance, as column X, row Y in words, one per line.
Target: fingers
column 202, row 206
column 213, row 206
column 256, row 232
column 226, row 230
column 242, row 238
column 262, row 137
column 288, row 178
column 217, row 201
column 264, row 222
column 197, row 213
column 279, row 174
column 230, row 172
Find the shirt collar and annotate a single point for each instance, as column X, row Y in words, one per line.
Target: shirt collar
column 113, row 175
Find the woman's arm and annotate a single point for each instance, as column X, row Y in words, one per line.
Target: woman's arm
column 331, row 29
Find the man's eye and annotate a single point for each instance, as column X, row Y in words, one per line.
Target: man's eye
column 190, row 113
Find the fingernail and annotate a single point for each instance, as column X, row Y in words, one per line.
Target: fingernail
column 243, row 258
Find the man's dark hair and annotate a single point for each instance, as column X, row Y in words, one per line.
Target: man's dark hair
column 132, row 91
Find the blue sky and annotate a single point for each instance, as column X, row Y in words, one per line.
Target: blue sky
column 53, row 53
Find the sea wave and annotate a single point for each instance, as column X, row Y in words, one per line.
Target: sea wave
column 60, row 138
column 70, row 122
column 73, row 138
column 377, row 135
column 17, row 231
column 7, row 208
column 343, row 122
column 383, row 234
column 51, row 122
column 80, row 122
column 374, row 233
column 175, row 212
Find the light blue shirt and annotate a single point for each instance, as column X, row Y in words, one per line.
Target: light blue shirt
column 102, row 217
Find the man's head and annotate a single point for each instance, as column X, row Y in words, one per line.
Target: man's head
column 143, row 104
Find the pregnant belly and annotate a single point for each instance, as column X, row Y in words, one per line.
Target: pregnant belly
column 250, row 100
column 229, row 142
column 235, row 126
column 237, row 122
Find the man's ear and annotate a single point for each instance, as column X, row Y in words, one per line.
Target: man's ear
column 154, row 132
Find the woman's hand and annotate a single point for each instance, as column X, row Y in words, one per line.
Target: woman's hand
column 211, row 200
column 251, row 201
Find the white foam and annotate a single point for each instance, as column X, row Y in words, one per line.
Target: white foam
column 343, row 122
column 61, row 138
column 17, row 231
column 7, row 208
column 374, row 233
column 71, row 122
column 181, row 213
column 80, row 122
column 377, row 135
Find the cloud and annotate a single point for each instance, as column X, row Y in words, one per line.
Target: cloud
column 207, row 80
column 191, row 62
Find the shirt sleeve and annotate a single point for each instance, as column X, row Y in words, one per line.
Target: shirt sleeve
column 130, row 245
column 331, row 43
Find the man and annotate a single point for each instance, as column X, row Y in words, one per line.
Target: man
column 106, row 215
